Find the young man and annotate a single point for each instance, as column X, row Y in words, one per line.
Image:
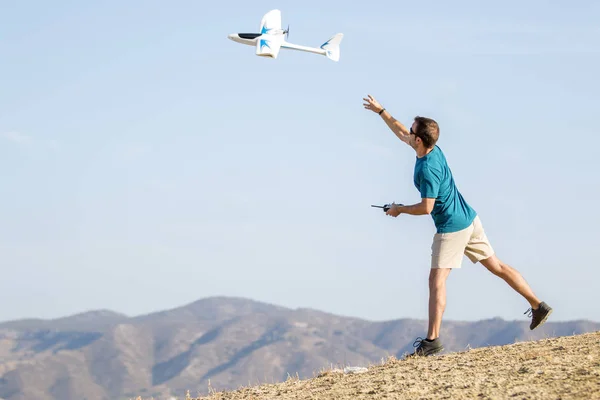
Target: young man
column 458, row 228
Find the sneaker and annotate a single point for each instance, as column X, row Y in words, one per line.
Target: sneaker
column 538, row 315
column 426, row 347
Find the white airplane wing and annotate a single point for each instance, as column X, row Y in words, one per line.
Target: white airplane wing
column 270, row 40
column 270, row 21
column 268, row 45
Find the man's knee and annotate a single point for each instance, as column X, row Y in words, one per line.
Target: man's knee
column 494, row 265
column 437, row 277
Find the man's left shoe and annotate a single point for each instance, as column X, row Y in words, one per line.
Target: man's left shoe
column 426, row 347
column 539, row 315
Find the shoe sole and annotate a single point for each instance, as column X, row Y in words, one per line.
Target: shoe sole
column 432, row 353
column 543, row 320
column 436, row 352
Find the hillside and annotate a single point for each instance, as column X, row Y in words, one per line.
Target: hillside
column 225, row 341
column 555, row 368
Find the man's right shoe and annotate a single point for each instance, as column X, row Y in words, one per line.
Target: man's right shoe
column 426, row 347
column 538, row 315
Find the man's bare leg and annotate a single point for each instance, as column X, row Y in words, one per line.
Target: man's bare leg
column 512, row 277
column 437, row 300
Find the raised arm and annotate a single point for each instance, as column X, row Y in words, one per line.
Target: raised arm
column 396, row 126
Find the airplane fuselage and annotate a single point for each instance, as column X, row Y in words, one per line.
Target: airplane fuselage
column 251, row 39
column 245, row 38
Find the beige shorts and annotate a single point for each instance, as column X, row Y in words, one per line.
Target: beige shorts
column 448, row 249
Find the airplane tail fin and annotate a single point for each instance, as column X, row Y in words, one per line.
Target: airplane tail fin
column 332, row 47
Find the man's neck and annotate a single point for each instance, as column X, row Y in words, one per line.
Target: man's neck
column 422, row 151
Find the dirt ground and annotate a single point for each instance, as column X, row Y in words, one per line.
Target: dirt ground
column 556, row 368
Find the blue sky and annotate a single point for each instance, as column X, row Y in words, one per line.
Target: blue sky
column 148, row 161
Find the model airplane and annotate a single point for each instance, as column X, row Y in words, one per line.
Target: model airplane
column 271, row 39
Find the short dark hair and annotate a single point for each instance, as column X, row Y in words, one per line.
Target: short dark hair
column 428, row 130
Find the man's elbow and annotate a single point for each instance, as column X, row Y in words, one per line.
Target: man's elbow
column 428, row 206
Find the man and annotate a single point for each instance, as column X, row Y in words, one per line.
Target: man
column 458, row 228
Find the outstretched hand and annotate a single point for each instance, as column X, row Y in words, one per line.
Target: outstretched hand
column 372, row 104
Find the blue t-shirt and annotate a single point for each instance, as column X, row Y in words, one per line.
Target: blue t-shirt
column 433, row 179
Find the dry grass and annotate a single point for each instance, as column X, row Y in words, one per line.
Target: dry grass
column 555, row 368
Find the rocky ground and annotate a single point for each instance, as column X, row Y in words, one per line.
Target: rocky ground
column 556, row 368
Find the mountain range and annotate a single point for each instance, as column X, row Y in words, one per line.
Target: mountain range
column 219, row 343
